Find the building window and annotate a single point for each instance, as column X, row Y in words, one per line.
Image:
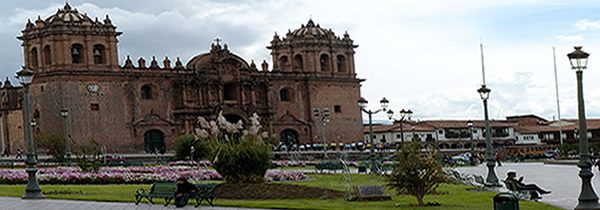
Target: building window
column 298, row 63
column 47, row 55
column 36, row 114
column 230, row 92
column 95, row 107
column 440, row 131
column 77, row 53
column 283, row 62
column 398, row 136
column 284, row 95
column 34, row 57
column 337, row 108
column 146, row 92
column 99, row 54
column 341, row 63
column 324, row 61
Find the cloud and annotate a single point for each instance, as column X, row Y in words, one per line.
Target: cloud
column 570, row 38
column 585, row 24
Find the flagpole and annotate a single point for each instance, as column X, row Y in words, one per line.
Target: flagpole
column 557, row 97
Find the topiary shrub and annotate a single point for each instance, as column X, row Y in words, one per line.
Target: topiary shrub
column 415, row 173
column 240, row 156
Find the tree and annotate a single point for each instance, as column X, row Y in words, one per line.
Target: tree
column 415, row 173
column 54, row 145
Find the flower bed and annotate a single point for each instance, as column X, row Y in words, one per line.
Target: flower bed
column 128, row 175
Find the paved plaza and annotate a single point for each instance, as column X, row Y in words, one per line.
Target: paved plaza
column 49, row 204
column 562, row 180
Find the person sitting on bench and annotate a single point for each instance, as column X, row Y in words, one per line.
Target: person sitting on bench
column 511, row 177
column 183, row 192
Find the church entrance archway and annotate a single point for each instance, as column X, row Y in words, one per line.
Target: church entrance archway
column 154, row 142
column 289, row 137
column 233, row 118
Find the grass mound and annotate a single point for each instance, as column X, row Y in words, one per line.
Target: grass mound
column 262, row 191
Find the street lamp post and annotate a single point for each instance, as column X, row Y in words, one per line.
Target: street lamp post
column 404, row 115
column 587, row 198
column 362, row 103
column 491, row 179
column 323, row 116
column 470, row 126
column 65, row 113
column 33, row 190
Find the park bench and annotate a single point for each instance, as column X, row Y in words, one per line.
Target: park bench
column 164, row 190
column 362, row 169
column 206, row 192
column 456, row 175
column 521, row 193
column 330, row 166
column 7, row 164
column 167, row 190
column 124, row 163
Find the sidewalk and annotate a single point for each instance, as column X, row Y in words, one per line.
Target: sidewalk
column 562, row 180
column 9, row 203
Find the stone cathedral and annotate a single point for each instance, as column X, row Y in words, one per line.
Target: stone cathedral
column 123, row 105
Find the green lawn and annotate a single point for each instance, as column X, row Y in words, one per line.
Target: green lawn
column 453, row 197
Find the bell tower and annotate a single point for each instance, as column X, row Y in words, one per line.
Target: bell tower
column 69, row 40
column 314, row 50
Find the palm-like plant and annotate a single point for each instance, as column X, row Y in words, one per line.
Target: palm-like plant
column 238, row 154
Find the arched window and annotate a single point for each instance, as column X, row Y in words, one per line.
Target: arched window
column 77, row 53
column 324, row 61
column 146, row 92
column 284, row 95
column 283, row 62
column 341, row 63
column 99, row 54
column 34, row 57
column 47, row 55
column 298, row 63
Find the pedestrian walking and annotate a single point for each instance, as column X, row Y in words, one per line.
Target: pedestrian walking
column 19, row 154
column 6, row 152
column 499, row 159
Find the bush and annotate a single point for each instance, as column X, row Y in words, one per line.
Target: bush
column 183, row 147
column 243, row 162
column 87, row 157
column 240, row 156
column 415, row 173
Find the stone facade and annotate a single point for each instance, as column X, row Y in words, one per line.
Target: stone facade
column 11, row 118
column 76, row 66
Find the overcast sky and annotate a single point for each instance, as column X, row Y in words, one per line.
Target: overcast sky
column 421, row 54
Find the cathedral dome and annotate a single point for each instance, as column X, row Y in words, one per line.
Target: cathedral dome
column 217, row 56
column 68, row 15
column 310, row 30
